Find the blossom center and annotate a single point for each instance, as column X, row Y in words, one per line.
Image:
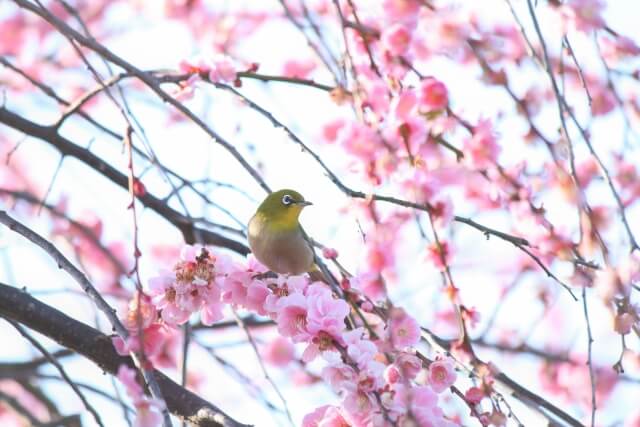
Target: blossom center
column 170, row 294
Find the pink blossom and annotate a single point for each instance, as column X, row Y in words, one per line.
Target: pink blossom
column 408, row 364
column 587, row 170
column 586, row 15
column 329, row 253
column 424, row 405
column 608, row 284
column 439, row 255
column 359, row 140
column 629, row 268
column 618, row 48
column 127, row 377
column 392, row 374
column 222, row 70
column 152, row 340
column 377, row 95
column 398, row 10
column 571, row 381
column 396, row 39
column 148, row 414
column 279, row 352
column 324, row 416
column 325, row 313
column 481, row 150
column 396, row 400
column 141, row 313
column 281, row 288
column 633, row 420
column 8, row 416
column 359, row 349
column 442, row 375
column 197, row 65
column 234, row 288
column 297, row 68
column 371, row 284
column 433, row 95
column 404, row 331
column 359, row 407
column 413, row 133
column 164, row 295
column 252, row 265
column 148, row 411
column 510, row 44
column 330, row 130
column 211, row 310
column 186, row 89
column 602, row 100
column 441, row 212
column 474, row 395
column 314, row 418
column 337, row 374
column 497, row 418
column 371, row 376
column 403, row 104
column 191, row 286
column 257, row 293
column 623, row 322
column 190, row 297
column 292, row 317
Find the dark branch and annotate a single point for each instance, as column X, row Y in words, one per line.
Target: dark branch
column 50, row 135
column 97, row 347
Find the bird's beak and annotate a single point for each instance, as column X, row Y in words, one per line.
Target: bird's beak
column 304, row 203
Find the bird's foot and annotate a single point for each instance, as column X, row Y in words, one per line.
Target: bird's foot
column 265, row 275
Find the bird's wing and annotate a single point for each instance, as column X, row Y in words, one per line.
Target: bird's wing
column 315, row 273
column 307, row 238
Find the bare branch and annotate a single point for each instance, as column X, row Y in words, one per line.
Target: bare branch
column 97, row 347
column 60, row 369
column 89, row 289
column 50, row 135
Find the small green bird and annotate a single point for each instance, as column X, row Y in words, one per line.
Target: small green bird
column 276, row 237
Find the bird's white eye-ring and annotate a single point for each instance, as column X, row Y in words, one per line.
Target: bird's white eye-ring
column 287, row 200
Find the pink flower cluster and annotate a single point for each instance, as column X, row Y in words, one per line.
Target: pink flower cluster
column 193, row 285
column 364, row 377
column 371, row 366
column 217, row 70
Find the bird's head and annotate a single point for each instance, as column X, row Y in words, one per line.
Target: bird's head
column 283, row 207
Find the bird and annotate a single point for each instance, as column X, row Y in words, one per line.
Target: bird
column 276, row 237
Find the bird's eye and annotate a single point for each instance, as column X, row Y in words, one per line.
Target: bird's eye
column 287, row 200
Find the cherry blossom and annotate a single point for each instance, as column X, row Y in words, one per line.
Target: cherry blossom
column 148, row 410
column 441, row 375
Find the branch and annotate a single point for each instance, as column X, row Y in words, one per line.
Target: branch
column 50, row 135
column 517, row 241
column 90, row 290
column 149, row 80
column 19, row 408
column 61, row 370
column 514, row 389
column 25, row 369
column 97, row 347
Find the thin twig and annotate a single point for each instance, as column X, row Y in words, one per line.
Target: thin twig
column 19, row 408
column 262, row 367
column 80, row 278
column 592, row 378
column 59, row 368
column 519, row 242
column 149, row 80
